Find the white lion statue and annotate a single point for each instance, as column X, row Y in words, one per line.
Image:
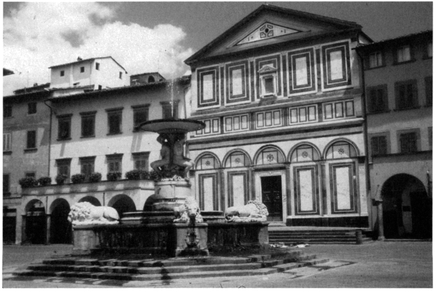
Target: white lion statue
column 85, row 213
column 254, row 211
column 189, row 209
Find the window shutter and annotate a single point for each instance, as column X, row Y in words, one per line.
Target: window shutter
column 383, row 147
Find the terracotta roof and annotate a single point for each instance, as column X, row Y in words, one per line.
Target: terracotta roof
column 397, row 39
column 123, row 89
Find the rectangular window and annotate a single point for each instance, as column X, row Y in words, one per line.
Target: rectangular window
column 408, row 142
column 268, row 85
column 7, row 141
column 406, row 94
column 82, row 69
column 114, row 164
column 375, row 59
column 114, row 121
column 140, row 114
column 97, row 66
column 64, row 127
column 62, row 73
column 166, row 110
column 140, row 160
column 429, row 90
column 7, row 111
column 87, row 166
column 6, row 184
column 120, row 75
column 31, row 108
column 403, row 54
column 31, row 140
column 88, row 124
column 379, row 145
column 377, row 99
column 63, row 166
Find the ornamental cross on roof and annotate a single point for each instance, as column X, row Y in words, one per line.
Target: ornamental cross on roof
column 266, row 31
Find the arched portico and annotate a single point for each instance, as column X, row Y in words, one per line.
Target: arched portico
column 60, row 227
column 122, row 203
column 407, row 209
column 92, row 200
column 34, row 223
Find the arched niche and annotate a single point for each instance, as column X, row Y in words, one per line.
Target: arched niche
column 207, row 161
column 304, row 152
column 237, row 158
column 269, row 155
column 341, row 149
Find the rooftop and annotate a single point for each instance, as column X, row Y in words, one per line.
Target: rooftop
column 86, row 60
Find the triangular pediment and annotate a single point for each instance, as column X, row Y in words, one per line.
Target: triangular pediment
column 266, row 31
column 270, row 26
column 267, row 69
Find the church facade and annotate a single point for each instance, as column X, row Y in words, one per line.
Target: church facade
column 280, row 93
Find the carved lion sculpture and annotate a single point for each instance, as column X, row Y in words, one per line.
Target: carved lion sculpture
column 189, row 209
column 254, row 211
column 86, row 213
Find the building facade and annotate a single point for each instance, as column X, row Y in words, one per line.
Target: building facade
column 399, row 102
column 280, row 93
column 26, row 140
column 81, row 131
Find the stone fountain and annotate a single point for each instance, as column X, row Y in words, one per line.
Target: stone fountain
column 173, row 224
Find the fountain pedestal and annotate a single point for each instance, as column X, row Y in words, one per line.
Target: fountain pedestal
column 170, row 194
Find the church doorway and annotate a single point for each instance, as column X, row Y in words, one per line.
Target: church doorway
column 272, row 196
column 407, row 209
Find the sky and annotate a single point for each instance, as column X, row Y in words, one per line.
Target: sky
column 159, row 36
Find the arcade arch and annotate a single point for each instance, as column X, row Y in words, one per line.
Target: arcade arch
column 92, row 200
column 35, row 223
column 407, row 209
column 60, row 227
column 122, row 203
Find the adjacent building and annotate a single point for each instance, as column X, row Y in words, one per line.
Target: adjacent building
column 398, row 76
column 280, row 93
column 87, row 75
column 59, row 130
column 26, row 140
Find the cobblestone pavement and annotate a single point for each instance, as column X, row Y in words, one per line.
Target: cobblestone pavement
column 372, row 265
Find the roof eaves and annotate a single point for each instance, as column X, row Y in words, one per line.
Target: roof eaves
column 394, row 40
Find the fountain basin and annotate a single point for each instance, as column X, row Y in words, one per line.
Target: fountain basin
column 168, row 239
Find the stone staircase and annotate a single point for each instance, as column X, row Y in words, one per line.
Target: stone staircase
column 170, row 268
column 321, row 235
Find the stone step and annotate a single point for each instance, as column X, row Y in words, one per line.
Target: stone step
column 199, row 268
column 143, row 270
column 148, row 277
column 309, row 234
column 172, row 268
